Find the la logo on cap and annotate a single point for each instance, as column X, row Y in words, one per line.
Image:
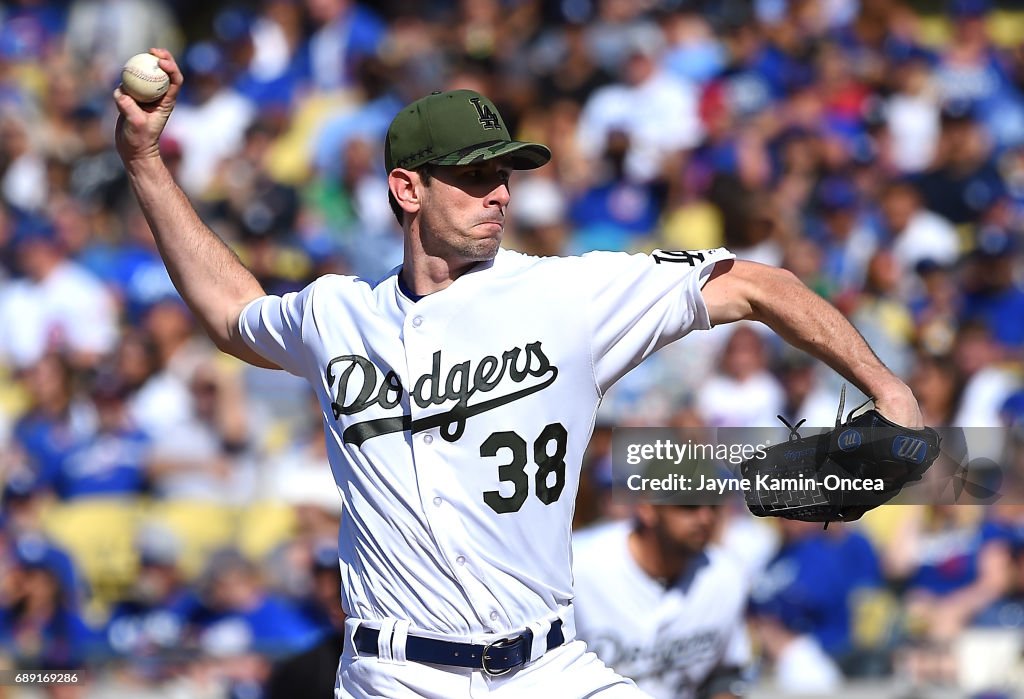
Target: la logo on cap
column 488, row 119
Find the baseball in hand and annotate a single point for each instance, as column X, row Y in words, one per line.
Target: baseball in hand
column 143, row 79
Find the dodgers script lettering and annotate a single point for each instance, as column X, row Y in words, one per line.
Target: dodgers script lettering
column 358, row 384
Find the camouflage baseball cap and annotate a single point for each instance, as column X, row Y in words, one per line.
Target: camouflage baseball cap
column 460, row 127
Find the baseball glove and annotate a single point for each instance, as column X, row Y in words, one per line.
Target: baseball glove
column 840, row 474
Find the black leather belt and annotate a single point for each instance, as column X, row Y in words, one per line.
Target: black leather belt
column 497, row 658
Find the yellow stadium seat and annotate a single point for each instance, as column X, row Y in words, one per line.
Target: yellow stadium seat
column 203, row 527
column 695, row 226
column 1006, row 27
column 881, row 524
column 875, row 618
column 99, row 535
column 263, row 526
column 934, row 30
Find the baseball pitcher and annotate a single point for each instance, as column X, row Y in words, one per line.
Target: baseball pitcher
column 458, row 394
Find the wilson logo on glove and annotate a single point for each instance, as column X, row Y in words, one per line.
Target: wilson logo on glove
column 910, row 448
column 849, row 440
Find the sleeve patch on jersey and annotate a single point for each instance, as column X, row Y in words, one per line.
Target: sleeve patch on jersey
column 690, row 257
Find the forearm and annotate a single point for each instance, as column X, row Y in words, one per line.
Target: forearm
column 738, row 290
column 208, row 275
column 808, row 322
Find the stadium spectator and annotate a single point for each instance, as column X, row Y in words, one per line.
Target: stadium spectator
column 846, row 242
column 915, row 233
column 110, row 460
column 232, row 628
column 798, row 665
column 101, row 33
column 937, row 385
column 272, row 68
column 541, row 228
column 974, row 72
column 124, row 257
column 963, row 181
column 615, row 28
column 742, row 393
column 211, row 125
column 24, row 528
column 38, row 626
column 23, row 182
column 207, row 457
column 94, row 178
column 565, row 66
column 235, row 614
column 954, row 567
column 57, row 419
column 989, row 378
column 300, row 477
column 812, row 586
column 313, row 672
column 616, row 209
column 57, row 306
column 993, row 295
column 912, row 115
column 345, row 33
column 881, row 317
column 806, row 397
column 936, row 308
column 145, row 630
column 1007, row 525
column 668, row 122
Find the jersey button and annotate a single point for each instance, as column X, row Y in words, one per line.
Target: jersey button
column 437, row 502
column 417, row 321
column 427, row 439
column 461, row 560
column 494, row 616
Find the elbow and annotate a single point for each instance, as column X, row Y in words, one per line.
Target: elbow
column 743, row 290
column 223, row 344
column 218, row 331
column 228, row 339
column 224, row 337
column 227, row 334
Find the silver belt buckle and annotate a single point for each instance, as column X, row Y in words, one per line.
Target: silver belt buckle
column 500, row 643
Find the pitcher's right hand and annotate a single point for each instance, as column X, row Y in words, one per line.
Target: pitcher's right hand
column 137, row 134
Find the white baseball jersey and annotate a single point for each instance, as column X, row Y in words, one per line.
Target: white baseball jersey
column 666, row 639
column 456, row 424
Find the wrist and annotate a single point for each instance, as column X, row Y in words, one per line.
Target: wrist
column 898, row 404
column 148, row 161
column 893, row 391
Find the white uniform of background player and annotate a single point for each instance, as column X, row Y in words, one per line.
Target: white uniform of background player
column 667, row 635
column 456, row 424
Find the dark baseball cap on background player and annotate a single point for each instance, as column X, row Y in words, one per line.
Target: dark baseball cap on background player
column 460, row 127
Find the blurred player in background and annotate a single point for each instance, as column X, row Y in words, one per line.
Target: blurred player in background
column 661, row 605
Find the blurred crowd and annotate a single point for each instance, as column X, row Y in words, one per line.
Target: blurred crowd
column 168, row 514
